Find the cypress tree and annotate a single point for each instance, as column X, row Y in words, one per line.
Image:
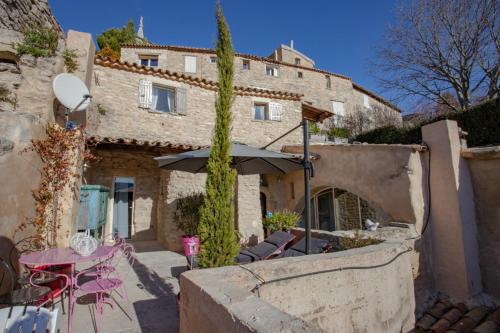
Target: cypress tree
column 219, row 243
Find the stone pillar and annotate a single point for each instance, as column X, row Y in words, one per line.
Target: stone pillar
column 452, row 222
column 248, row 212
column 84, row 47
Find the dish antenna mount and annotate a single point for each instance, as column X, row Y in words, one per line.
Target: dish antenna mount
column 72, row 93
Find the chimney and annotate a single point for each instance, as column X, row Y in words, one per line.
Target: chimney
column 291, row 44
column 276, row 55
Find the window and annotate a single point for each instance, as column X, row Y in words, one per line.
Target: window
column 213, row 60
column 268, row 111
column 300, row 75
column 366, row 101
column 260, row 111
column 338, row 110
column 328, row 82
column 149, row 60
column 297, row 61
column 271, row 70
column 163, row 99
column 246, row 64
column 190, row 64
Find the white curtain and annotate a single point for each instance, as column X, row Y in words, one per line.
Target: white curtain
column 163, row 99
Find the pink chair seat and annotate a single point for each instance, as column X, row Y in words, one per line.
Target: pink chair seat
column 100, row 285
column 100, row 271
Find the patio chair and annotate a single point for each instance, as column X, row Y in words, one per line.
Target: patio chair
column 299, row 249
column 101, row 284
column 21, row 296
column 272, row 245
column 29, row 319
column 47, row 276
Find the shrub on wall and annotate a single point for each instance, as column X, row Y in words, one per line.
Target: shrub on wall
column 481, row 122
column 38, row 41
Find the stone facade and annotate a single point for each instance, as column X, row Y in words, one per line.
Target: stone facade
column 313, row 84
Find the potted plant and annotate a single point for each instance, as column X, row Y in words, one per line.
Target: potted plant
column 187, row 219
column 280, row 221
column 338, row 134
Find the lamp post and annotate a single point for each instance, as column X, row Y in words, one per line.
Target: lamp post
column 307, row 177
column 307, row 184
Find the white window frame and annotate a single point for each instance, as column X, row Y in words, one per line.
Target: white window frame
column 213, row 59
column 266, row 111
column 162, row 87
column 148, row 58
column 297, row 61
column 190, row 64
column 274, row 70
column 245, row 61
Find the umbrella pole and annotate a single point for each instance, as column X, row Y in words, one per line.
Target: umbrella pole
column 307, row 184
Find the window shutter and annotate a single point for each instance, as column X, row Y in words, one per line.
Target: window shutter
column 275, row 111
column 145, row 94
column 189, row 64
column 181, row 100
column 366, row 101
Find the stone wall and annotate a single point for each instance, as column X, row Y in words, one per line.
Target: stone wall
column 18, row 14
column 484, row 165
column 312, row 84
column 144, row 170
column 318, row 296
column 117, row 91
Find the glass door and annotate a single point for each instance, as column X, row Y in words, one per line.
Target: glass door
column 122, row 208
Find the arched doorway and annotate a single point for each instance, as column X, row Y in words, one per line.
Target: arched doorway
column 337, row 209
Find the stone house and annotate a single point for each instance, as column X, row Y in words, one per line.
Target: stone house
column 159, row 100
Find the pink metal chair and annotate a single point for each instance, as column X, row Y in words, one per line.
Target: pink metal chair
column 97, row 280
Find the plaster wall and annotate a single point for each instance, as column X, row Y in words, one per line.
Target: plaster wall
column 389, row 177
column 328, row 300
column 484, row 164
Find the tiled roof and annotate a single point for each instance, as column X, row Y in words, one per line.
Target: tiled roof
column 202, row 83
column 445, row 317
column 94, row 140
column 262, row 59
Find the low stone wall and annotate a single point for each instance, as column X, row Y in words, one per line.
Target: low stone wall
column 484, row 166
column 311, row 293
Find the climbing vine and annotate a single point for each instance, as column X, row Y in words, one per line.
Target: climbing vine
column 59, row 152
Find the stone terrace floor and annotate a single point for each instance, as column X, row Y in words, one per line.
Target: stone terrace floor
column 152, row 285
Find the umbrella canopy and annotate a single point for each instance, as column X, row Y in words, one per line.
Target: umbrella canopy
column 245, row 159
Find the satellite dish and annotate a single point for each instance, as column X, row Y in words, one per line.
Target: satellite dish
column 71, row 92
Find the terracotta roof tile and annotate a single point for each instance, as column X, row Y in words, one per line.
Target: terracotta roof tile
column 95, row 140
column 202, row 83
column 262, row 59
column 456, row 318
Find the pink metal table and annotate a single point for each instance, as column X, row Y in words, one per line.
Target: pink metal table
column 65, row 256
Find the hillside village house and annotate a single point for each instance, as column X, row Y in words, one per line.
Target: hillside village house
column 159, row 100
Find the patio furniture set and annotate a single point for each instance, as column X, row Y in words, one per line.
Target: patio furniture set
column 50, row 274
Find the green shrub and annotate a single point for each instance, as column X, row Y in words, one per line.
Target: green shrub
column 356, row 241
column 281, row 221
column 101, row 109
column 481, row 122
column 339, row 132
column 187, row 216
column 313, row 128
column 38, row 41
column 70, row 62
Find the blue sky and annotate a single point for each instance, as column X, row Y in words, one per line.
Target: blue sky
column 341, row 36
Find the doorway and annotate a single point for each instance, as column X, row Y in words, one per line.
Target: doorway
column 122, row 207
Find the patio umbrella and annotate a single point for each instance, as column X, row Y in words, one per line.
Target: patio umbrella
column 246, row 160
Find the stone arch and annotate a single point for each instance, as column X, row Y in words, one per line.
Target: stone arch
column 318, row 189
